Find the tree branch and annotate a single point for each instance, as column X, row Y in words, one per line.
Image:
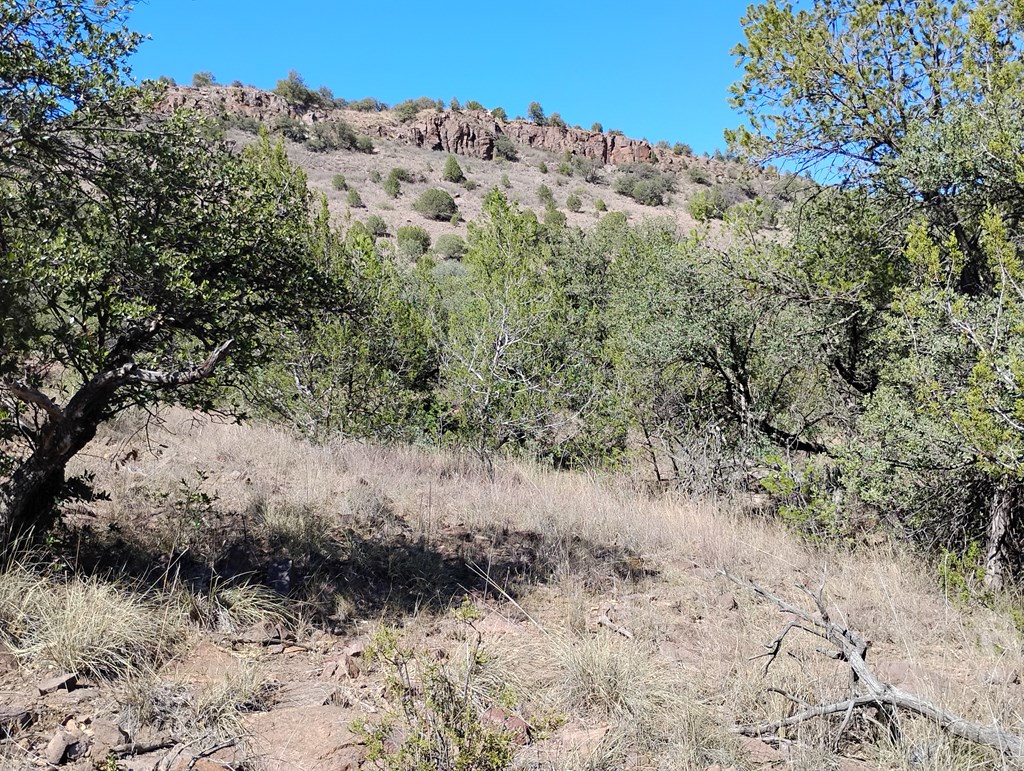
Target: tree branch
column 31, row 395
column 182, row 376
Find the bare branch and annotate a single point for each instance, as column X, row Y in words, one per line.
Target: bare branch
column 183, row 376
column 31, row 395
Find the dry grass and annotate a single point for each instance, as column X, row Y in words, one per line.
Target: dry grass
column 90, row 626
column 670, row 694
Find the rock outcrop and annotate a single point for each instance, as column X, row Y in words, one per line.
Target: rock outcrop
column 468, row 133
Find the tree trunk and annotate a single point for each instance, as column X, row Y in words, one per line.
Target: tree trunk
column 1002, row 549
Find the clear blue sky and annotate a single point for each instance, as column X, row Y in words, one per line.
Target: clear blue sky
column 656, row 69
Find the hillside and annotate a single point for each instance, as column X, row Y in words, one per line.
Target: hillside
column 586, row 163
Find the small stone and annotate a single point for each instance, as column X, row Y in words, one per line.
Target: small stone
column 67, row 681
column 514, row 724
column 57, row 747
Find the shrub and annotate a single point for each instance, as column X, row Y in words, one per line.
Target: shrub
column 565, row 168
column 452, row 171
column 410, row 108
column 436, row 204
column 536, row 113
column 290, row 128
column 707, row 205
column 597, row 127
column 498, row 113
column 505, row 181
column 166, row 80
column 545, row 195
column 369, row 104
column 294, row 90
column 375, row 176
column 354, row 199
column 376, row 225
column 325, row 136
column 469, row 184
column 644, row 184
column 698, row 175
column 339, row 182
column 450, row 245
column 574, row 203
column 588, row 168
column 246, row 123
column 392, row 186
column 662, row 144
column 600, row 205
column 454, row 105
column 402, row 174
column 556, row 120
column 554, row 218
column 542, row 167
column 364, row 144
column 413, row 241
column 505, row 148
column 474, row 105
column 681, row 148
column 201, row 79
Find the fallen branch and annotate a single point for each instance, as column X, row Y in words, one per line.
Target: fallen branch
column 850, row 647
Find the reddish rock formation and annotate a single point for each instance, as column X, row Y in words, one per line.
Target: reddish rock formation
column 471, row 134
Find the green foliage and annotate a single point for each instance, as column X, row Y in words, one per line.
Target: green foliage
column 961, row 576
column 542, row 167
column 454, row 105
column 410, row 108
column 505, row 148
column 451, row 246
column 203, row 79
column 574, row 203
column 536, row 113
column 438, row 718
column 556, row 120
column 325, row 136
column 452, row 171
column 364, row 144
column 393, row 185
column 474, row 106
column 545, row 196
column 413, row 241
column 499, row 114
column 597, row 127
column 338, row 182
column 506, row 182
column 698, row 175
column 354, row 199
column 294, row 90
column 707, row 205
column 376, row 226
column 369, row 104
column 436, row 204
column 681, row 148
column 644, row 183
column 600, row 205
column 375, row 176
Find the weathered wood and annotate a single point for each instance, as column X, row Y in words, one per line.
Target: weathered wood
column 850, row 647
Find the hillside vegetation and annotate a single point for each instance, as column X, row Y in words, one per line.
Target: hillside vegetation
column 544, row 423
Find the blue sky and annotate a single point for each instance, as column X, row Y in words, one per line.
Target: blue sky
column 657, row 69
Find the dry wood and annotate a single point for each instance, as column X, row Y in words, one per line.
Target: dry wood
column 850, row 647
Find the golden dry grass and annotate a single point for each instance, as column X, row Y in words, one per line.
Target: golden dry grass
column 668, row 696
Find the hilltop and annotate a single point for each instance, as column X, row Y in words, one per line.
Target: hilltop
column 517, row 156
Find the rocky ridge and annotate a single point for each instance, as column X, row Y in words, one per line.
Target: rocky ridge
column 470, row 133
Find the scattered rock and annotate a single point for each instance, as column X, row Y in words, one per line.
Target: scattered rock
column 105, row 735
column 582, row 740
column 305, row 693
column 67, row 681
column 515, row 725
column 13, row 719
column 760, row 753
column 57, row 747
column 340, row 667
column 306, row 739
column 726, row 602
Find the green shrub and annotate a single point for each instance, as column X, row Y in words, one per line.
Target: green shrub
column 565, row 168
column 294, row 90
column 375, row 176
column 454, row 105
column 392, row 186
column 470, row 184
column 452, row 171
column 354, row 199
column 339, row 182
column 246, row 123
column 369, row 104
column 402, row 174
column 505, row 148
column 536, row 113
column 662, row 144
column 325, row 136
column 474, row 105
column 644, row 184
column 597, row 127
column 554, row 218
column 505, row 181
column 574, row 203
column 498, row 113
column 600, row 205
column 542, row 167
column 290, row 128
column 545, row 195
column 698, row 175
column 410, row 108
column 681, row 148
column 413, row 241
column 707, row 205
column 436, row 204
column 450, row 245
column 376, row 225
column 205, row 78
column 556, row 120
column 364, row 144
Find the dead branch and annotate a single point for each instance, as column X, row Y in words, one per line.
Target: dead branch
column 850, row 647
